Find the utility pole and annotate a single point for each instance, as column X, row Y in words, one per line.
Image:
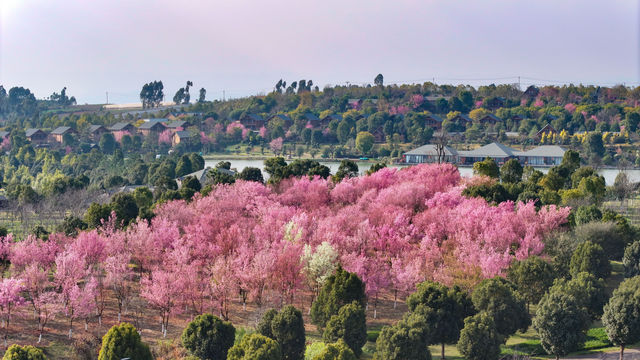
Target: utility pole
column 107, row 98
column 519, row 87
column 223, row 95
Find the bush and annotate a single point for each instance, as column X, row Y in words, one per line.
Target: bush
column 631, row 259
column 590, row 258
column 560, row 322
column 208, row 337
column 339, row 289
column 264, row 325
column 406, row 339
column 28, row 352
column 604, row 234
column 255, row 347
column 123, row 341
column 350, row 325
column 336, row 351
column 498, row 299
column 479, row 339
column 287, row 328
column 314, row 349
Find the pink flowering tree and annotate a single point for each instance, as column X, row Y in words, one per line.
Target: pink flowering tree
column 118, row 277
column 163, row 290
column 165, row 137
column 276, row 145
column 10, row 299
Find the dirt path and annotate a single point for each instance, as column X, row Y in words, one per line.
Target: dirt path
column 629, row 354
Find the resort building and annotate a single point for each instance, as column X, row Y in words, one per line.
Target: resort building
column 545, row 155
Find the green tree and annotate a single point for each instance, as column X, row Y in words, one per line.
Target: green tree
column 107, row 143
column 561, row 323
column 590, row 258
column 208, row 337
column 336, row 351
column 631, row 259
column 125, row 207
column 450, row 306
column 191, row 182
column 587, row 289
column 71, row 225
column 347, row 169
column 487, row 167
column 479, row 339
column 378, row 80
column 27, row 352
column 264, row 325
column 405, row 340
column 255, row 347
column 123, row 341
column 287, row 328
column 621, row 317
column 251, row 174
column 364, row 142
column 143, row 197
column 511, row 171
column 498, row 299
column 184, row 166
column 532, row 277
column 96, row 214
column 350, row 325
column 338, row 290
column 593, row 145
column 587, row 214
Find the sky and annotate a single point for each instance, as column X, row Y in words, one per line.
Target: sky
column 243, row 47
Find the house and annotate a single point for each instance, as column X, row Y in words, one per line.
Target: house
column 433, row 121
column 311, row 119
column 545, row 155
column 379, row 135
column 429, row 154
column 462, row 119
column 180, row 137
column 151, row 128
column 547, row 129
column 36, row 136
column 122, row 128
column 355, row 103
column 177, row 125
column 203, row 175
column 490, row 119
column 329, row 118
column 59, row 133
column 498, row 152
column 96, row 131
column 284, row 118
column 252, row 121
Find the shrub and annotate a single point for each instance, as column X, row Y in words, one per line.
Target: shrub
column 591, row 258
column 123, row 341
column 406, row 339
column 350, row 325
column 264, row 325
column 255, row 347
column 339, row 289
column 287, row 328
column 631, row 259
column 28, row 352
column 86, row 347
column 336, row 351
column 479, row 339
column 208, row 337
column 498, row 299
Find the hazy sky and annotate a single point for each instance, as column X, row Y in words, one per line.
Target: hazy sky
column 245, row 46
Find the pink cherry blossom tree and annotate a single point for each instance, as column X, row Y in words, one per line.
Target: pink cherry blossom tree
column 10, row 299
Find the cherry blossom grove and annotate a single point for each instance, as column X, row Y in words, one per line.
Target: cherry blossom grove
column 248, row 241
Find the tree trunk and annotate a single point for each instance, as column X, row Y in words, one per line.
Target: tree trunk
column 621, row 351
column 442, row 350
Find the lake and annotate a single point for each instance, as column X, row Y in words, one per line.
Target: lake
column 239, row 164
